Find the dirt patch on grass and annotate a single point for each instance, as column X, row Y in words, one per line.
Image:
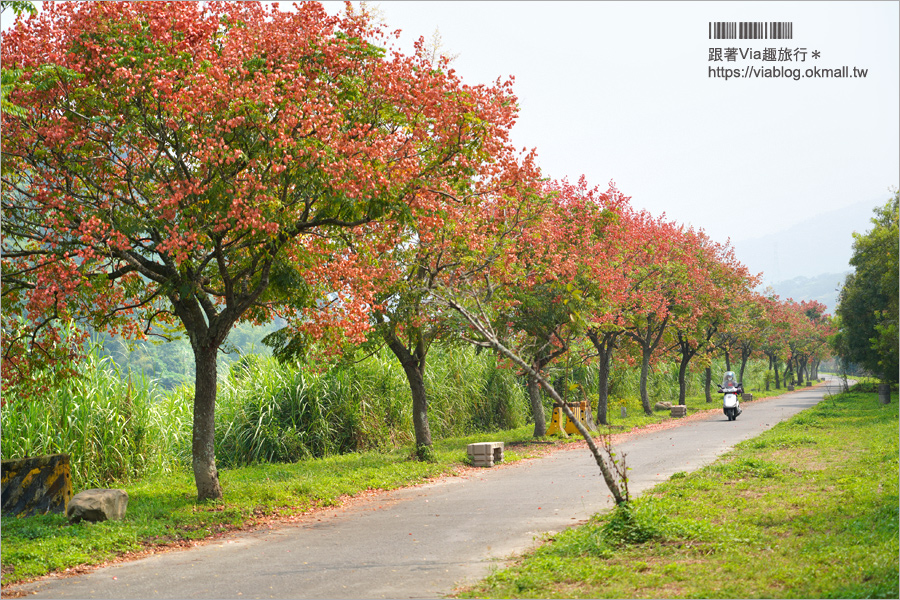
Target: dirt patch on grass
column 802, row 459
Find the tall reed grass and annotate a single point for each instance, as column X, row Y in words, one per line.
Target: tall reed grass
column 271, row 412
column 115, row 428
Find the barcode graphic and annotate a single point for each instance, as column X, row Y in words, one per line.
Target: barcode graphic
column 751, row 30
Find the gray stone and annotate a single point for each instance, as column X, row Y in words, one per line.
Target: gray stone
column 662, row 406
column 97, row 505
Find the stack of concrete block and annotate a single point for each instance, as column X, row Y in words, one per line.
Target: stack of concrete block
column 485, row 454
column 747, row 398
column 678, row 411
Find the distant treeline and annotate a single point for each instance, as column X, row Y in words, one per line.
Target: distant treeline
column 170, row 364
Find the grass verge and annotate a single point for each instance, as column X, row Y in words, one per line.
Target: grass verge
column 809, row 509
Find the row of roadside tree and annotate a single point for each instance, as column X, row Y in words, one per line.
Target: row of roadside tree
column 175, row 167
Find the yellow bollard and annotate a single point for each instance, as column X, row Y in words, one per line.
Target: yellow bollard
column 576, row 410
column 556, row 422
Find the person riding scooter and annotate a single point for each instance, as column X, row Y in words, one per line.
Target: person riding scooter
column 731, row 405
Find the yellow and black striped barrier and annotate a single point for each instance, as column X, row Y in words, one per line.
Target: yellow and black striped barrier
column 37, row 485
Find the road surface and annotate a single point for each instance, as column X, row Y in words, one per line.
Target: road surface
column 424, row 541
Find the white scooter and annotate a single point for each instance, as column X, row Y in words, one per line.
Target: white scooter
column 731, row 405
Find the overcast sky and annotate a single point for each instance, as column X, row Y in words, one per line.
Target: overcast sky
column 622, row 91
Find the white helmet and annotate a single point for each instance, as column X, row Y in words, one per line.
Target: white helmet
column 729, row 379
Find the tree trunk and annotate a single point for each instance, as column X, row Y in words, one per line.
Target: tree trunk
column 603, row 387
column 707, row 384
column 727, row 360
column 775, row 366
column 648, row 338
column 745, row 356
column 414, row 368
column 884, row 392
column 537, row 407
column 645, row 369
column 604, row 355
column 204, row 435
column 682, row 378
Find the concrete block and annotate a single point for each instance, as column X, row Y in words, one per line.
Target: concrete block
column 485, row 454
column 678, row 411
column 747, row 397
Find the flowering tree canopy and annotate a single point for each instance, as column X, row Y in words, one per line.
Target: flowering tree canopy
column 193, row 164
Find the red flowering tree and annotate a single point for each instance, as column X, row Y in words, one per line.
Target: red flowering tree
column 808, row 338
column 197, row 163
column 718, row 285
column 745, row 322
column 543, row 274
column 527, row 303
column 665, row 272
column 572, row 275
column 778, row 327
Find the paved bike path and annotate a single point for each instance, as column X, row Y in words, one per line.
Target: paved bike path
column 424, row 541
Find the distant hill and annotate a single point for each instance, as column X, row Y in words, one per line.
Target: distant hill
column 821, row 245
column 823, row 288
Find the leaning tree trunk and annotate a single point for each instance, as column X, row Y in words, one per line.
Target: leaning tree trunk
column 613, row 473
column 204, row 435
column 414, row 368
column 537, row 407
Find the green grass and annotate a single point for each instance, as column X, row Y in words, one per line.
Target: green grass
column 808, row 509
